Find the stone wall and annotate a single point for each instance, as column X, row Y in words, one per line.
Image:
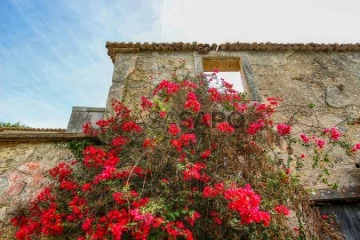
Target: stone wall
column 328, row 81
column 25, row 157
column 136, row 73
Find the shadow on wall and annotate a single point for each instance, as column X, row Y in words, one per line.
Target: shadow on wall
column 347, row 216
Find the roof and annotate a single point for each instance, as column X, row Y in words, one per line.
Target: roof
column 29, row 129
column 22, row 135
column 122, row 47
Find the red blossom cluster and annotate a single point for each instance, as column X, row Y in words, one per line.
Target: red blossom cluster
column 206, row 154
column 320, row 143
column 140, row 184
column 206, row 119
column 193, row 172
column 173, row 129
column 184, row 141
column 240, row 107
column 246, row 202
column 264, row 108
column 282, row 210
column 225, row 127
column 304, row 138
column 334, row 133
column 283, row 129
column 255, row 127
column 131, row 127
column 188, row 123
column 356, row 147
column 192, row 103
column 145, row 103
column 167, row 87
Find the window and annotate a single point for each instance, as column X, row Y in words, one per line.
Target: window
column 229, row 70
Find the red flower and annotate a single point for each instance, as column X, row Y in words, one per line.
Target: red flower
column 193, row 217
column 189, row 123
column 210, row 192
column 119, row 141
column 225, row 127
column 240, row 107
column 148, row 143
column 104, row 123
column 206, row 154
column 118, row 197
column 283, row 129
column 173, row 129
column 164, row 181
column 87, row 129
column 255, row 127
column 214, row 94
column 193, row 171
column 325, row 217
column 87, row 224
column 282, row 210
column 187, row 83
column 62, row 170
column 145, row 103
column 158, row 221
column 131, row 127
column 141, row 203
column 206, row 119
column 68, row 185
column 168, row 87
column 216, row 217
column 304, row 138
column 335, row 134
column 356, row 147
column 120, row 109
column 321, row 143
column 162, row 114
column 246, row 202
column 192, row 103
column 86, row 187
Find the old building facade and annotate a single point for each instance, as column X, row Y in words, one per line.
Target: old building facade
column 320, row 85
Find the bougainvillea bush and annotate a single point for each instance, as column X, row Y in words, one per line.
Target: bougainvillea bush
column 190, row 162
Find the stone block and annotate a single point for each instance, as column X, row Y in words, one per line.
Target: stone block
column 82, row 115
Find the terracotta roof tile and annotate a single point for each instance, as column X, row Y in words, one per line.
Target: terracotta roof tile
column 122, row 47
column 32, row 129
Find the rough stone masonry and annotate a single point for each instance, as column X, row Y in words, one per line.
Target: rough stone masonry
column 323, row 76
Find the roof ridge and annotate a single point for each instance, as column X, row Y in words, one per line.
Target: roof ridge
column 32, row 129
column 129, row 47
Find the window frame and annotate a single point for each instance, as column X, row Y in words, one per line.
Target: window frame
column 247, row 75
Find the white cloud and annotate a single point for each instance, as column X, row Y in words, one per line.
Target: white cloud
column 262, row 21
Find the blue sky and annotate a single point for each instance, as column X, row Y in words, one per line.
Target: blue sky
column 53, row 55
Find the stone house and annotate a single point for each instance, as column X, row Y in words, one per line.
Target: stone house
column 320, row 83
